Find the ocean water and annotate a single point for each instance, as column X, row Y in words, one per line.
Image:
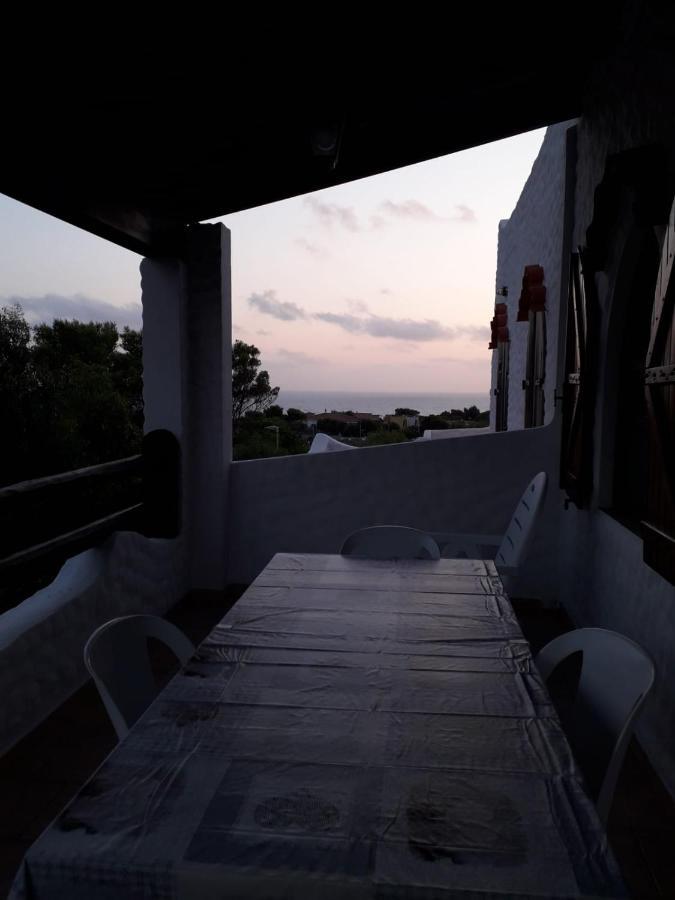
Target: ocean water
column 380, row 404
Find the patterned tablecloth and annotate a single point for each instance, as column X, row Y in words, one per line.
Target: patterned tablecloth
column 350, row 729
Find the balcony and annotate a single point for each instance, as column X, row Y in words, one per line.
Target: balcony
column 207, row 524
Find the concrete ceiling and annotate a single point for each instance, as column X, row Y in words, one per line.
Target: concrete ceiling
column 136, row 160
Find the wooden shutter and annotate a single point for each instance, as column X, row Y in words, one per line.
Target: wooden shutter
column 576, row 459
column 531, row 309
column 502, row 389
column 658, row 527
column 535, row 369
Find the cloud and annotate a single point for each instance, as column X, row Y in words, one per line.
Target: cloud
column 296, row 356
column 410, row 330
column 413, row 209
column 409, row 209
column 360, row 321
column 263, row 332
column 330, row 214
column 357, row 306
column 381, row 326
column 470, row 362
column 464, row 214
column 403, row 347
column 313, row 249
column 85, row 309
column 474, row 332
column 268, row 304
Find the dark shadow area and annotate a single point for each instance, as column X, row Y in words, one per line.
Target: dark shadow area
column 41, row 773
column 641, row 825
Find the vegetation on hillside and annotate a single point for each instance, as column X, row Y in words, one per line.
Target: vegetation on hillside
column 70, row 395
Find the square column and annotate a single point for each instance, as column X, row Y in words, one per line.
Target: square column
column 187, row 361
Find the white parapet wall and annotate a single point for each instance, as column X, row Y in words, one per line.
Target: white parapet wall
column 310, row 503
column 42, row 639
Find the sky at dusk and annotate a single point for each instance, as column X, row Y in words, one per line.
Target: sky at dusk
column 386, row 283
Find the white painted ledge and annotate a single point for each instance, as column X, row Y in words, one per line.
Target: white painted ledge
column 42, row 639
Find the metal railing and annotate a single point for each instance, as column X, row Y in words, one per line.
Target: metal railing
column 46, row 520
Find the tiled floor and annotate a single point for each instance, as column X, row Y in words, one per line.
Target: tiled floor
column 40, row 774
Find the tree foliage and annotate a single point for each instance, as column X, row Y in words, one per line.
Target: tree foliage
column 251, row 389
column 70, row 395
column 385, row 437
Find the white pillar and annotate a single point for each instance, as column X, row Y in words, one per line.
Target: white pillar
column 187, row 361
column 163, row 293
column 209, row 419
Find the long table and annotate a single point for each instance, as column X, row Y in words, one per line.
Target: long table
column 350, row 729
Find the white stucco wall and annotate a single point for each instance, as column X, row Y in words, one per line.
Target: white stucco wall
column 533, row 235
column 42, row 640
column 187, row 388
column 310, row 503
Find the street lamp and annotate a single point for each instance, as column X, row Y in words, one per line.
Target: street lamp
column 273, row 428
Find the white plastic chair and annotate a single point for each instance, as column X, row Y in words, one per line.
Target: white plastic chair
column 390, row 542
column 509, row 549
column 116, row 656
column 616, row 678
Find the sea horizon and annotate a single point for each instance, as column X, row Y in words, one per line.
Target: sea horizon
column 381, row 402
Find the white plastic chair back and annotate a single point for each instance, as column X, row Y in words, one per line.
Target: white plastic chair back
column 116, row 656
column 390, row 542
column 616, row 678
column 516, row 540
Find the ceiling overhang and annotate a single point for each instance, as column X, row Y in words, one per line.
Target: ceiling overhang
column 136, row 164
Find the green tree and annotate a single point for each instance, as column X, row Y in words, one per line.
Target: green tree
column 406, row 411
column 434, row 422
column 385, row 437
column 251, row 389
column 295, row 415
column 89, row 391
column 70, row 397
column 17, row 396
column 128, row 372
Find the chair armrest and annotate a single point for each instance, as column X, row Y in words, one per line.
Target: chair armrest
column 467, row 546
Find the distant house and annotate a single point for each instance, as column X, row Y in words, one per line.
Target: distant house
column 312, row 420
column 344, row 418
column 367, row 417
column 348, row 420
column 398, row 421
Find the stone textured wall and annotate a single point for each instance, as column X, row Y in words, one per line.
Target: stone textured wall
column 603, row 580
column 533, row 235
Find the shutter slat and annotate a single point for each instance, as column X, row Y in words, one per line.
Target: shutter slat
column 658, row 527
column 576, row 464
